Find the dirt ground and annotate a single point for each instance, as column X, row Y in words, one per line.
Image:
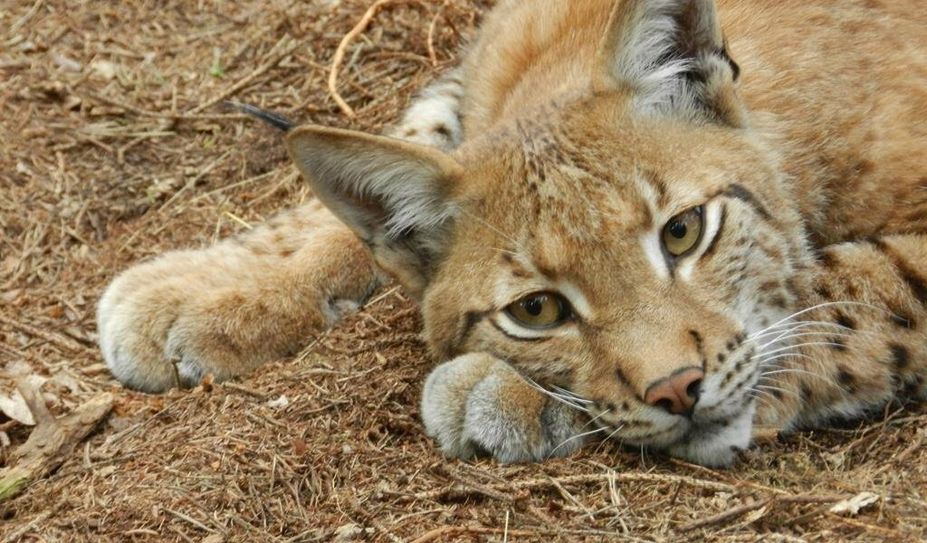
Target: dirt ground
column 115, row 146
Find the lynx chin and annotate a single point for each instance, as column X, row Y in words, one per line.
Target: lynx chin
column 659, row 222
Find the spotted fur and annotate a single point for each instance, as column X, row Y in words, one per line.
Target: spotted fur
column 551, row 161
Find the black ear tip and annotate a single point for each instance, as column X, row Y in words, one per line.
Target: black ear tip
column 273, row 119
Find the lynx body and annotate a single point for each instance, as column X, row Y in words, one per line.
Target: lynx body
column 658, row 221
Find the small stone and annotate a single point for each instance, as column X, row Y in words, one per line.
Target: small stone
column 104, row 69
column 348, row 532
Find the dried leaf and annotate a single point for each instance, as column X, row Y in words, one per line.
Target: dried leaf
column 282, row 401
column 14, row 406
column 12, row 403
column 852, row 506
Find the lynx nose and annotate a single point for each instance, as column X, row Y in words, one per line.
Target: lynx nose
column 677, row 393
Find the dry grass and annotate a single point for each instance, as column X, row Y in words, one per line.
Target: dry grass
column 114, row 148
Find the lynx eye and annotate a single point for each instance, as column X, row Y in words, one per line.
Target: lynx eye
column 539, row 310
column 683, row 232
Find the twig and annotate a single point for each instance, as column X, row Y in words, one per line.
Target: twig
column 16, row 535
column 431, row 34
column 190, row 520
column 157, row 114
column 192, row 182
column 759, row 504
column 246, row 390
column 896, row 535
column 532, row 484
column 726, row 515
column 485, row 490
column 338, row 57
column 35, row 403
column 51, row 442
column 381, row 297
column 731, row 480
column 627, row 477
column 238, row 184
column 55, row 339
column 437, row 533
column 25, row 18
column 903, row 455
column 571, row 498
column 371, row 519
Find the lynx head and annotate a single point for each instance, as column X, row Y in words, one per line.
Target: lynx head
column 626, row 243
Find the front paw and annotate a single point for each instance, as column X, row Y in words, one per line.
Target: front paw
column 477, row 405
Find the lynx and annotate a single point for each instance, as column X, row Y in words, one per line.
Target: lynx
column 620, row 219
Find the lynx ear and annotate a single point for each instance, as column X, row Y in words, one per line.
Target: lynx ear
column 394, row 195
column 671, row 55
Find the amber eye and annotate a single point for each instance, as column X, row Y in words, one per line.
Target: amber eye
column 682, row 233
column 539, row 310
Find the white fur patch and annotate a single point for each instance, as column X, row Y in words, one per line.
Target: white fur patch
column 718, row 447
column 653, row 250
column 433, row 118
column 577, row 299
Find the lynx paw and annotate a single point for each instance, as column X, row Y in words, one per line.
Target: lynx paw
column 137, row 319
column 227, row 309
column 478, row 405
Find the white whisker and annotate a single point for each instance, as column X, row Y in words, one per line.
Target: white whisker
column 820, row 306
column 778, row 329
column 782, row 390
column 766, row 396
column 559, row 398
column 595, row 418
column 806, row 344
column 765, row 360
column 577, row 436
column 572, row 395
column 798, row 372
column 609, row 436
column 803, row 334
column 795, row 326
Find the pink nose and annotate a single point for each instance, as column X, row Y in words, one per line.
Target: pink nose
column 677, row 393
